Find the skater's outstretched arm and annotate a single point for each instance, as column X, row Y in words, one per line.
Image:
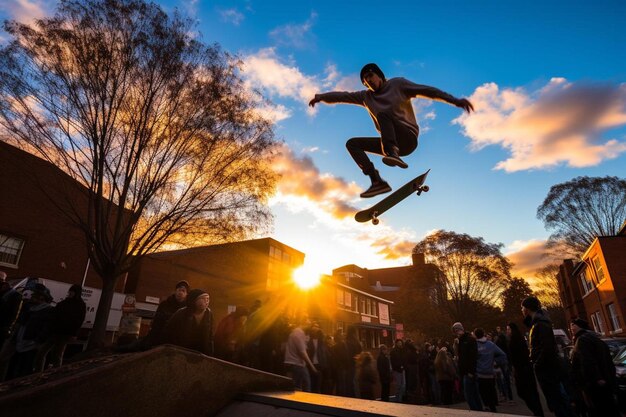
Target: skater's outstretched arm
column 345, row 97
column 418, row 90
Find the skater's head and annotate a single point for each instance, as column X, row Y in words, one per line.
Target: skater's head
column 372, row 76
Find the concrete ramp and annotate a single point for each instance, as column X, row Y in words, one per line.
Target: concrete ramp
column 166, row 381
column 301, row 404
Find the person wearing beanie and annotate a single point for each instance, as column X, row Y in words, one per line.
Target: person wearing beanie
column 467, row 353
column 544, row 356
column 388, row 103
column 593, row 370
column 67, row 318
column 191, row 327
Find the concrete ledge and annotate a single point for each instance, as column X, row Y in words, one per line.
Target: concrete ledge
column 166, row 381
column 301, row 404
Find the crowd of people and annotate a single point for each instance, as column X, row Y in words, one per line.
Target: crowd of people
column 478, row 367
column 33, row 332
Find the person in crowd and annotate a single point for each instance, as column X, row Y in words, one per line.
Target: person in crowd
column 544, row 356
column 502, row 342
column 467, row 360
column 410, row 371
column 435, row 391
column 423, row 366
column 354, row 349
column 67, row 318
column 329, row 384
column 228, row 337
column 318, row 352
column 165, row 311
column 191, row 327
column 488, row 353
column 446, row 374
column 593, row 370
column 34, row 327
column 341, row 363
column 383, row 366
column 297, row 360
column 366, row 376
column 10, row 305
column 398, row 364
column 253, row 330
column 519, row 361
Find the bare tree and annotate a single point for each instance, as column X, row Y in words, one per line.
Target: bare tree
column 473, row 272
column 547, row 286
column 579, row 210
column 512, row 296
column 158, row 127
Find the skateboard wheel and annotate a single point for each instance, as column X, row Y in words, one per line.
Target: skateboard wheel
column 425, row 188
column 375, row 221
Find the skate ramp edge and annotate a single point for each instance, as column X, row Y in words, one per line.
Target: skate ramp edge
column 301, row 404
column 165, row 381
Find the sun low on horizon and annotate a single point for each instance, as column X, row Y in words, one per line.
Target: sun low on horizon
column 307, row 277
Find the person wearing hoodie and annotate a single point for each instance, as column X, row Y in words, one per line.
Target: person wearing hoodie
column 488, row 353
column 191, row 327
column 593, row 370
column 544, row 356
column 523, row 374
column 67, row 318
column 467, row 353
column 388, row 103
column 165, row 311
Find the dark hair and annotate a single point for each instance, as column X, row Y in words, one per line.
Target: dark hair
column 371, row 67
column 479, row 333
column 531, row 303
column 182, row 283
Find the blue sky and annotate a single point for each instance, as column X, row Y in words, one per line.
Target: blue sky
column 547, row 79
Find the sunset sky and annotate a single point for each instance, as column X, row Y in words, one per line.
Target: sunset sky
column 547, row 80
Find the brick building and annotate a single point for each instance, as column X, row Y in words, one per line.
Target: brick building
column 36, row 238
column 595, row 287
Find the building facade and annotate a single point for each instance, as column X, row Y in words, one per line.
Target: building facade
column 595, row 287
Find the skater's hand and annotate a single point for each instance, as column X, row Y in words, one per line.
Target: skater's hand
column 465, row 105
column 314, row 101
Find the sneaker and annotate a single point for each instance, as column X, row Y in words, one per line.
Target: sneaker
column 393, row 160
column 379, row 187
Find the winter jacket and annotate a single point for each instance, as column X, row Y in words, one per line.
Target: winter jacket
column 68, row 316
column 34, row 328
column 468, row 354
column 165, row 311
column 398, row 359
column 591, row 360
column 383, row 365
column 182, row 330
column 488, row 352
column 542, row 345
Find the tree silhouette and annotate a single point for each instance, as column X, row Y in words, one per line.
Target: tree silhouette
column 579, row 210
column 473, row 272
column 158, row 127
column 512, row 297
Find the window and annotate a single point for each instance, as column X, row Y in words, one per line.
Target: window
column 347, row 300
column 363, row 306
column 598, row 323
column 613, row 317
column 286, row 258
column 340, row 297
column 369, row 307
column 597, row 264
column 10, row 250
column 586, row 285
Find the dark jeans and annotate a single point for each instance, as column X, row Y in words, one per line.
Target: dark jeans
column 393, row 133
column 447, row 387
column 487, row 389
column 470, row 391
column 384, row 391
column 600, row 401
column 551, row 386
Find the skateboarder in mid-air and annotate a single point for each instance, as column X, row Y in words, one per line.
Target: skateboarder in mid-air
column 389, row 104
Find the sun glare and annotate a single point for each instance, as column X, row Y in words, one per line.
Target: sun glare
column 306, row 278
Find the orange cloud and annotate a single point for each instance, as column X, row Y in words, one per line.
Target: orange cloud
column 26, row 11
column 561, row 123
column 529, row 257
column 392, row 247
column 301, row 178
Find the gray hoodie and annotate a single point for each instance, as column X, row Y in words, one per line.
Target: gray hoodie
column 488, row 352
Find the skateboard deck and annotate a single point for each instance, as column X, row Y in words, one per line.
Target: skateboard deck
column 416, row 185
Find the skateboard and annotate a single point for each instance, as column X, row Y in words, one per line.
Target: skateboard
column 416, row 185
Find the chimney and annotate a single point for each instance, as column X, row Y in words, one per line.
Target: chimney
column 418, row 259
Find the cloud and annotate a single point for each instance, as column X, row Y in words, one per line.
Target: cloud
column 267, row 71
column 393, row 246
column 233, row 16
column 528, row 257
column 301, row 178
column 560, row 123
column 26, row 11
column 296, row 35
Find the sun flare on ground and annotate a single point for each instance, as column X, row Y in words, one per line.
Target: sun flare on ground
column 306, row 277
